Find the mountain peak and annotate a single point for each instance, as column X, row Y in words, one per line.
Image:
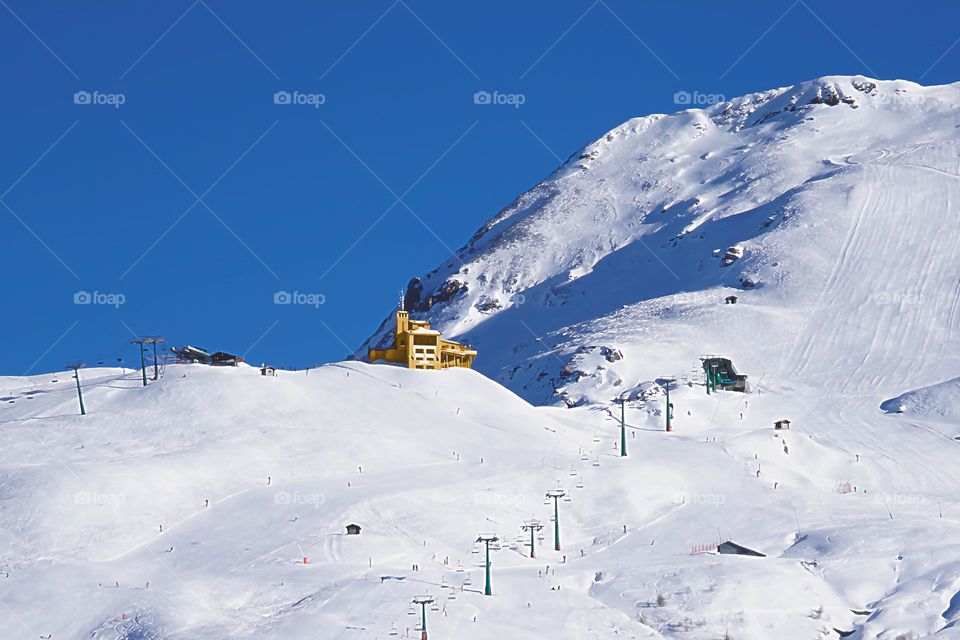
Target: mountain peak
column 631, row 234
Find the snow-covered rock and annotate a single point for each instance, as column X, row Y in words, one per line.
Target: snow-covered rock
column 939, row 401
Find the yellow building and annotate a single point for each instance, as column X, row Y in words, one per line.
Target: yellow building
column 418, row 346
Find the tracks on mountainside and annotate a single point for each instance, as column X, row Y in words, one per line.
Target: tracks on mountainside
column 876, row 317
column 809, row 334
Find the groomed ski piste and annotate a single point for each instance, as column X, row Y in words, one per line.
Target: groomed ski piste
column 837, row 202
column 249, row 476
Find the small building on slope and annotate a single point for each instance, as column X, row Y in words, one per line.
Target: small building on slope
column 418, row 346
column 732, row 548
column 726, row 374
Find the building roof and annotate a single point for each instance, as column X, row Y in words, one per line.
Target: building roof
column 738, row 549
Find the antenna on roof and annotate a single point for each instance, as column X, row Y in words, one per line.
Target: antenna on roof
column 401, row 300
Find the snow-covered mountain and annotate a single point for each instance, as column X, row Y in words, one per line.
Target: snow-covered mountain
column 830, row 208
column 213, row 504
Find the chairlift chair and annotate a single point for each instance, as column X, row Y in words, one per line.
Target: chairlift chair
column 435, row 606
column 467, row 580
column 573, row 472
column 596, row 462
column 566, row 497
column 580, row 483
column 412, row 611
column 393, row 630
column 596, row 437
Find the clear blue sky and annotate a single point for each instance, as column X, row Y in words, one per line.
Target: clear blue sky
column 298, row 197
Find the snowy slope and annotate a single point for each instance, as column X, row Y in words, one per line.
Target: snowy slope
column 847, row 511
column 834, row 204
column 838, row 196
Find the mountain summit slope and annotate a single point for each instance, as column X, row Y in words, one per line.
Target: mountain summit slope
column 829, row 208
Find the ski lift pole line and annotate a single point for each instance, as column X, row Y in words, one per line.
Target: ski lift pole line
column 556, row 494
column 76, row 366
column 669, row 410
column 487, row 538
column 533, row 526
column 143, row 362
column 623, row 426
column 667, row 386
column 154, row 341
column 423, row 601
